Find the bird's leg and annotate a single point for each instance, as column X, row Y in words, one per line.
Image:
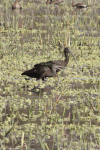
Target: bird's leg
column 42, row 79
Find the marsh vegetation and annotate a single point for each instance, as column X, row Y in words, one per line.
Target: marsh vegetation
column 62, row 113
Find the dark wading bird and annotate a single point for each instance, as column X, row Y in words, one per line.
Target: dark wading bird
column 79, row 5
column 16, row 5
column 54, row 2
column 50, row 68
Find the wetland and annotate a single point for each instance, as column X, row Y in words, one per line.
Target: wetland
column 61, row 113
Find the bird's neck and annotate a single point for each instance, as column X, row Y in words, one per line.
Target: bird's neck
column 66, row 59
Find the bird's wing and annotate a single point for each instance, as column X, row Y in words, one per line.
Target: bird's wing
column 40, row 64
column 79, row 4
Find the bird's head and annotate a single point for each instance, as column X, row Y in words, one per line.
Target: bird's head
column 66, row 51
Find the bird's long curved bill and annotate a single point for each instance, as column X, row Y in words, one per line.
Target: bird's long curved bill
column 72, row 55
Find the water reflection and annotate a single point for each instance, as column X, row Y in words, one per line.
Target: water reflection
column 40, row 92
